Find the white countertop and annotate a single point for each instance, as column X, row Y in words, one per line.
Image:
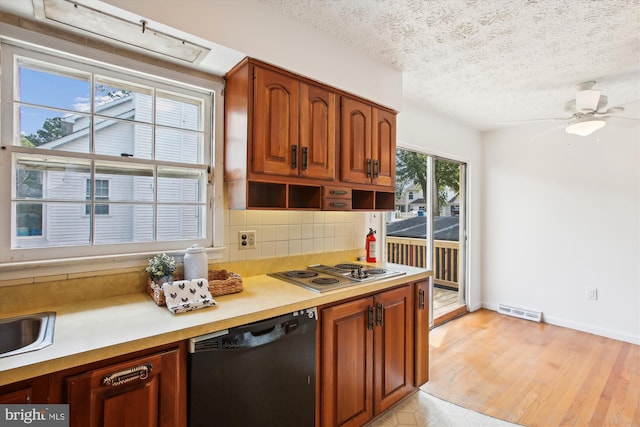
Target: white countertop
column 99, row 329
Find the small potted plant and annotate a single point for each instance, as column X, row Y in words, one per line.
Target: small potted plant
column 161, row 268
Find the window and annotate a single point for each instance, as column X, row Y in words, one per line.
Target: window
column 103, row 160
column 411, row 195
column 101, row 195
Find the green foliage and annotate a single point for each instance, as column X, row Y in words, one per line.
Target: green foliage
column 411, row 167
column 50, row 131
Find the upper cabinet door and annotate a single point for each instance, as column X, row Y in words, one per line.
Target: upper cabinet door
column 275, row 126
column 355, row 153
column 318, row 116
column 384, row 148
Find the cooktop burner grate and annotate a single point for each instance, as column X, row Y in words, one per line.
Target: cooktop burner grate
column 348, row 266
column 301, row 274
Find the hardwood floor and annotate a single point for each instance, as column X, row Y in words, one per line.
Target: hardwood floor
column 446, row 305
column 534, row 374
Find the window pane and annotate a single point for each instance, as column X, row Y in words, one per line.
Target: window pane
column 29, row 184
column 179, row 146
column 116, row 138
column 126, row 223
column 63, row 224
column 63, row 179
column 29, row 219
column 180, row 222
column 56, row 88
column 178, row 111
column 54, row 130
column 177, row 185
column 123, row 100
column 127, row 182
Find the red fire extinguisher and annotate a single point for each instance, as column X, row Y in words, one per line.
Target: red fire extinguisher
column 371, row 246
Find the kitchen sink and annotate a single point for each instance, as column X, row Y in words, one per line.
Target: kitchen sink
column 26, row 333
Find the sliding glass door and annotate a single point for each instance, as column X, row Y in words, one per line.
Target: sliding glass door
column 427, row 228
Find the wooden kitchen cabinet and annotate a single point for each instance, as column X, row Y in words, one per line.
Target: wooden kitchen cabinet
column 280, row 138
column 284, row 134
column 367, row 356
column 145, row 391
column 29, row 392
column 368, row 143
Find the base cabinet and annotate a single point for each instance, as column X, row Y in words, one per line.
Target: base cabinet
column 367, row 356
column 138, row 393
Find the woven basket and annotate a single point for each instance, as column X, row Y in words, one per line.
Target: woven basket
column 221, row 282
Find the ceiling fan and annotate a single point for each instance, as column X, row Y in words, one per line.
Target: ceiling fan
column 588, row 112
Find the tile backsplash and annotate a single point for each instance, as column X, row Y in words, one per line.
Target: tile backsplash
column 286, row 233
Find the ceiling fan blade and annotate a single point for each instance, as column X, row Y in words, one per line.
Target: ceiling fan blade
column 517, row 122
column 623, row 121
column 548, row 131
column 587, row 100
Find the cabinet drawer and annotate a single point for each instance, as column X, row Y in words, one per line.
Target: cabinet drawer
column 329, row 192
column 336, row 204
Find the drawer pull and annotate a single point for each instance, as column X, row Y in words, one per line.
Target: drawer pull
column 337, row 192
column 122, row 377
column 338, row 205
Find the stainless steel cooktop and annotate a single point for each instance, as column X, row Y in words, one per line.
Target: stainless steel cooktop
column 322, row 278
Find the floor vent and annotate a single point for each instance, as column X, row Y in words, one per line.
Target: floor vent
column 522, row 313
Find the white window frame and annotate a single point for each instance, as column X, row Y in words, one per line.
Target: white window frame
column 114, row 66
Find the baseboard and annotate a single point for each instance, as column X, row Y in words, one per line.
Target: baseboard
column 582, row 327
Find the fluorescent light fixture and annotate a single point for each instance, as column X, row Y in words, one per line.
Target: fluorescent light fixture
column 584, row 126
column 137, row 34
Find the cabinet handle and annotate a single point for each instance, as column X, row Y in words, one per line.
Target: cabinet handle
column 338, row 205
column 376, row 167
column 421, row 299
column 140, row 372
column 294, row 157
column 370, row 324
column 368, row 168
column 380, row 314
column 304, row 157
column 338, row 192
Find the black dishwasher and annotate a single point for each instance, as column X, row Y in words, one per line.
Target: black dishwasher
column 260, row 374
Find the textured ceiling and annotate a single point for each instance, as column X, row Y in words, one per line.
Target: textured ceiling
column 484, row 61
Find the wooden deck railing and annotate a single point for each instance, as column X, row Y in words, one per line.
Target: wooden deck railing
column 413, row 252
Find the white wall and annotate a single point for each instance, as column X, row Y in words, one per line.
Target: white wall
column 248, row 26
column 429, row 133
column 561, row 214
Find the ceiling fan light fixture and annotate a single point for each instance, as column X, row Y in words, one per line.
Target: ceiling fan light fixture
column 584, row 126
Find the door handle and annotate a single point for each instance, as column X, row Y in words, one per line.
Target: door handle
column 380, row 314
column 376, row 167
column 421, row 299
column 304, row 157
column 370, row 324
column 294, row 157
column 122, row 377
column 368, row 168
